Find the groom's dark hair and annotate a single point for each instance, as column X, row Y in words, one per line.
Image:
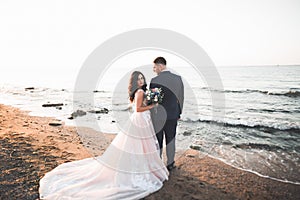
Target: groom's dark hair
column 160, row 60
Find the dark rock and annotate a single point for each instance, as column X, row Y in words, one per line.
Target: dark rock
column 77, row 113
column 95, row 91
column 29, row 88
column 186, row 133
column 190, row 155
column 55, row 123
column 195, row 147
column 52, row 104
column 58, row 107
column 102, row 111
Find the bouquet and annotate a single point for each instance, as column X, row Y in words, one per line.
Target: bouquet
column 154, row 96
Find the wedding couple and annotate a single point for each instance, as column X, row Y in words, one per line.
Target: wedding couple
column 131, row 167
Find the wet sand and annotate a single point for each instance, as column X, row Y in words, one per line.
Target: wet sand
column 30, row 147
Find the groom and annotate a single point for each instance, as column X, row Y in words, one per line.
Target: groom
column 165, row 116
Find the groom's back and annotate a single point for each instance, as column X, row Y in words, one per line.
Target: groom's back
column 172, row 89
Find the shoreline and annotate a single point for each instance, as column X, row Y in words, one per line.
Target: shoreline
column 250, row 146
column 42, row 147
column 256, row 173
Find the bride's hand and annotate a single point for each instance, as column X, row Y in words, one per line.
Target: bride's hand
column 153, row 105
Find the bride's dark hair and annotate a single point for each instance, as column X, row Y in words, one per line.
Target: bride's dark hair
column 133, row 86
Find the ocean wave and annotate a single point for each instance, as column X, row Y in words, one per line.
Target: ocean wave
column 290, row 93
column 259, row 146
column 272, row 110
column 264, row 128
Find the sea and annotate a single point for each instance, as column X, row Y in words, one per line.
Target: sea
column 252, row 122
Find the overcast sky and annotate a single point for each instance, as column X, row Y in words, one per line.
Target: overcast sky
column 61, row 34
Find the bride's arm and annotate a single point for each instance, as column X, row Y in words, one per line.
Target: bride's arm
column 139, row 97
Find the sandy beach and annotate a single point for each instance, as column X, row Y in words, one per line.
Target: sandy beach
column 30, row 147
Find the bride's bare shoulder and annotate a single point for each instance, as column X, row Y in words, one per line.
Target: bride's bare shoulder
column 139, row 93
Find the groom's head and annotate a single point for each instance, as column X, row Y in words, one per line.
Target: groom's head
column 159, row 64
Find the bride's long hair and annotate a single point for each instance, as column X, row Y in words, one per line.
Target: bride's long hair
column 133, row 86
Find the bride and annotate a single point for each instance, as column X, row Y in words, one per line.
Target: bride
column 130, row 168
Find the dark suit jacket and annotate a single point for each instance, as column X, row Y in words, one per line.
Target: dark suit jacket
column 172, row 88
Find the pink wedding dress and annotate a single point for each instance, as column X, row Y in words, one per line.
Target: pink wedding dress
column 130, row 168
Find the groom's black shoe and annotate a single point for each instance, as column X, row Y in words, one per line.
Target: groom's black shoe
column 171, row 166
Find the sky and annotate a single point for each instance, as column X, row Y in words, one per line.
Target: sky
column 60, row 35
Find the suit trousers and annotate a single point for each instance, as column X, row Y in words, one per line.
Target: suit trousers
column 169, row 130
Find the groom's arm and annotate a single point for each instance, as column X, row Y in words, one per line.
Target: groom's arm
column 181, row 95
column 153, row 85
